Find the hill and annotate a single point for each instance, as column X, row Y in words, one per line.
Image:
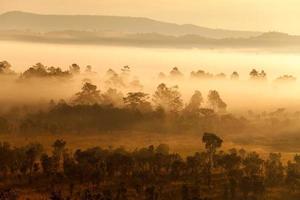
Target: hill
column 17, row 20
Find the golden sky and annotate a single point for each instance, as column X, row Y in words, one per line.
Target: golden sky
column 262, row 15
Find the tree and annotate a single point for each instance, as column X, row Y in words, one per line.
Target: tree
column 255, row 75
column 88, row 69
column 125, row 74
column 114, row 80
column 231, row 163
column 234, row 76
column 37, row 70
column 200, row 74
column 33, row 151
column 263, row 75
column 274, row 169
column 48, row 165
column 113, row 97
column 175, row 73
column 212, row 142
column 285, row 79
column 168, row 98
column 125, row 70
column 195, row 102
column 5, row 68
column 74, row 69
column 216, row 102
column 137, row 101
column 58, row 150
column 293, row 173
column 89, row 95
column 252, row 164
column 41, row 71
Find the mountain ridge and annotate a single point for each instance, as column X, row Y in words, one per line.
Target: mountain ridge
column 19, row 20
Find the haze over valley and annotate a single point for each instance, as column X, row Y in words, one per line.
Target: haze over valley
column 149, row 100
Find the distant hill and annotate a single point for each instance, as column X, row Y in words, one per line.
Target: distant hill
column 130, row 31
column 270, row 40
column 21, row 21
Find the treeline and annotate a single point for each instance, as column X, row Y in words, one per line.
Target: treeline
column 146, row 173
column 92, row 111
column 119, row 79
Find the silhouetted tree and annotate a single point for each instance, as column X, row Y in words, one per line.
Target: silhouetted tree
column 58, row 150
column 33, row 151
column 285, row 79
column 137, row 101
column 195, row 102
column 168, row 98
column 5, row 68
column 274, row 169
column 253, row 164
column 212, row 142
column 234, row 76
column 216, row 102
column 89, row 95
column 255, row 75
column 114, row 80
column 74, row 69
column 200, row 74
column 175, row 73
column 41, row 71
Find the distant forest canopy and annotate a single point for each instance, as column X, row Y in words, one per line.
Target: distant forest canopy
column 118, row 79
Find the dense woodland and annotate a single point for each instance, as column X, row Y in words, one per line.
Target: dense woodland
column 149, row 173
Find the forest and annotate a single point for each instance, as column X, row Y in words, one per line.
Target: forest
column 120, row 105
column 146, row 173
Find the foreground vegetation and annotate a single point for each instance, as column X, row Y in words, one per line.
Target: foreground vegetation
column 146, row 173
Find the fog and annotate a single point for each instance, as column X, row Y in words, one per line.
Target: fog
column 145, row 65
column 248, row 109
column 149, row 61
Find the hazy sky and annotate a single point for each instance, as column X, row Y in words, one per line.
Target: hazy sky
column 263, row 15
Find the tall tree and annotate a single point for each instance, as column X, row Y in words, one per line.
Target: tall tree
column 216, row 102
column 89, row 95
column 137, row 101
column 168, row 98
column 195, row 102
column 212, row 142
